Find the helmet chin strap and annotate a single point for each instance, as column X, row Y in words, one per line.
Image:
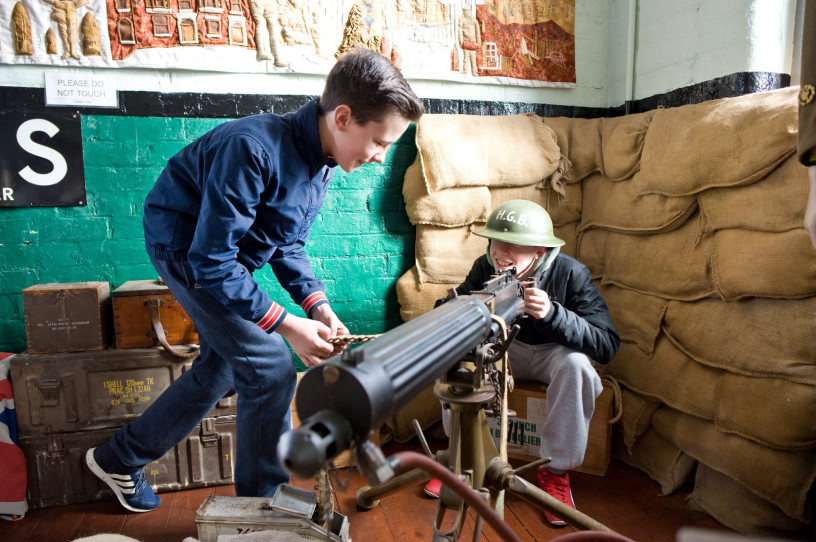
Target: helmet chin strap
column 528, row 271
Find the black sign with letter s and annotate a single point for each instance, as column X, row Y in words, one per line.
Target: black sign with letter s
column 41, row 160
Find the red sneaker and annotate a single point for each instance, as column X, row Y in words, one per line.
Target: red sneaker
column 433, row 487
column 558, row 486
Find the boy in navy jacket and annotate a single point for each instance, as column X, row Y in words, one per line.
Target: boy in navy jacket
column 242, row 196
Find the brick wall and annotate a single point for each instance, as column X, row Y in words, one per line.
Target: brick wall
column 360, row 244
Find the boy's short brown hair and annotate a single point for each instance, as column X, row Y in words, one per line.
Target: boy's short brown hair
column 371, row 85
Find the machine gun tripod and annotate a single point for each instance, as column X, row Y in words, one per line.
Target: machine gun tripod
column 461, row 348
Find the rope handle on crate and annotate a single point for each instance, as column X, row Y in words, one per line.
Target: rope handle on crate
column 617, row 409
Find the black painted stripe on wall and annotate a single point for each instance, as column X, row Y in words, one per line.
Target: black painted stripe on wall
column 204, row 105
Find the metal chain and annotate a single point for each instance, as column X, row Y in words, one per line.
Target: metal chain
column 493, row 375
column 347, row 339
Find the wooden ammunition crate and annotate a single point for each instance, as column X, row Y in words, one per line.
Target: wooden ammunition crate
column 67, row 316
column 134, row 305
column 57, row 473
column 79, row 391
column 528, row 400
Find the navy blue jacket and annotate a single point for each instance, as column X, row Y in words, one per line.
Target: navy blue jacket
column 242, row 195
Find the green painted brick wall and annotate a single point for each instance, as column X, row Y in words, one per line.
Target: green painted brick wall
column 360, row 244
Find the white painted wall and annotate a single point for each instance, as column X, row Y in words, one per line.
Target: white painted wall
column 676, row 43
column 682, row 42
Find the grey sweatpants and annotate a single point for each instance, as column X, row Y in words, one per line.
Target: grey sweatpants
column 572, row 387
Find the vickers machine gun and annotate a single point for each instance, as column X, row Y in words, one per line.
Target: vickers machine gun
column 460, row 346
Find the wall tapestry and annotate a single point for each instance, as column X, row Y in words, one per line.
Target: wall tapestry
column 511, row 42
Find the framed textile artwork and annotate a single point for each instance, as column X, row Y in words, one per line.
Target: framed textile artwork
column 509, row 42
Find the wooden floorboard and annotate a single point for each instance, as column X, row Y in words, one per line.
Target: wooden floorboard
column 624, row 500
column 97, row 519
column 375, row 522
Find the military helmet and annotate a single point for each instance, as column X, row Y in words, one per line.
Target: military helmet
column 520, row 222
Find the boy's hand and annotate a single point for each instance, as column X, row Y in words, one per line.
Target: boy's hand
column 324, row 313
column 307, row 338
column 536, row 302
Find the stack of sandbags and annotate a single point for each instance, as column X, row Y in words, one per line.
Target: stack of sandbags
column 467, row 165
column 690, row 220
column 715, row 305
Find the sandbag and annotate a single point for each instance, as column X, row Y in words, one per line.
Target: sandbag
column 674, row 265
column 591, row 250
column 580, row 141
column 415, row 298
column 618, row 206
column 423, row 407
column 636, row 414
column 622, row 141
column 758, row 264
column 475, row 150
column 780, row 477
column 730, row 503
column 569, row 234
column 661, row 460
column 451, row 207
column 755, row 337
column 446, row 255
column 636, row 316
column 668, row 376
column 771, row 411
column 562, row 209
column 718, row 143
column 775, row 203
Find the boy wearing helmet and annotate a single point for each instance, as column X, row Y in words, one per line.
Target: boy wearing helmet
column 567, row 328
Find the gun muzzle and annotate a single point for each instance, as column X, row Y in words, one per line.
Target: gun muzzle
column 303, row 451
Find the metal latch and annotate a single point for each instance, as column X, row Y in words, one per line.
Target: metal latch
column 209, row 435
column 49, row 387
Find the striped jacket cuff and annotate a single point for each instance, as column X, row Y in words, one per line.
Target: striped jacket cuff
column 273, row 317
column 314, row 299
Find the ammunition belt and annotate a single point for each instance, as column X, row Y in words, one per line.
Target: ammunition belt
column 347, row 339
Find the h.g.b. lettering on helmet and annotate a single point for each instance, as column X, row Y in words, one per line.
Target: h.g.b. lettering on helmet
column 520, row 222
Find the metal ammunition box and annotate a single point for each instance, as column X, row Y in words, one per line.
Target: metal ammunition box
column 137, row 303
column 67, row 317
column 57, row 473
column 80, row 391
column 291, row 510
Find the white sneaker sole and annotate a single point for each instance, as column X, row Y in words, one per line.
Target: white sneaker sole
column 118, row 487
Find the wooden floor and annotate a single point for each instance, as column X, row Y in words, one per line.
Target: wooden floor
column 625, row 500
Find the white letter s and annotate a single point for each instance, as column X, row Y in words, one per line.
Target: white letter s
column 24, row 140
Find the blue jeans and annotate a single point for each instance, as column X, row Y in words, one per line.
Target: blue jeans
column 236, row 356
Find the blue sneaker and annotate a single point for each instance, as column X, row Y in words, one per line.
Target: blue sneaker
column 132, row 490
